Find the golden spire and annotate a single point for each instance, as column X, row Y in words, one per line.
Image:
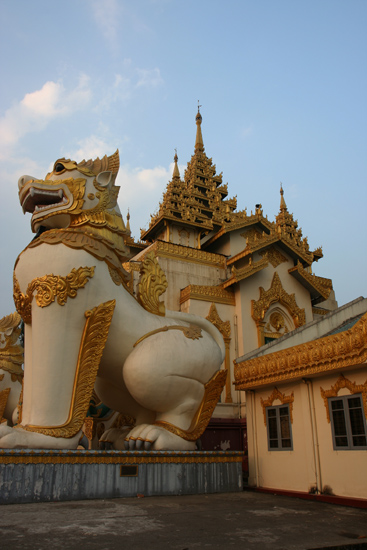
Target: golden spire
column 199, row 144
column 176, row 172
column 283, row 206
column 128, row 222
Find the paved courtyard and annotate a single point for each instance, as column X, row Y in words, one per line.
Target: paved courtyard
column 245, row 520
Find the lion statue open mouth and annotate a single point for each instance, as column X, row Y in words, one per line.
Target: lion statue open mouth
column 86, row 331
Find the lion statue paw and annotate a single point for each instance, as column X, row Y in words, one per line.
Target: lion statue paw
column 147, row 437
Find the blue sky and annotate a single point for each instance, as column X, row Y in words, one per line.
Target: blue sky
column 282, row 84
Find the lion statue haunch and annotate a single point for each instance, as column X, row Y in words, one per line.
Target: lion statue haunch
column 85, row 331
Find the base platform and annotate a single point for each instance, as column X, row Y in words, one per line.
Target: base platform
column 42, row 476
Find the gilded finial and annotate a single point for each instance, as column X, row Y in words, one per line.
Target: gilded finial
column 176, row 172
column 283, row 206
column 199, row 144
column 128, row 221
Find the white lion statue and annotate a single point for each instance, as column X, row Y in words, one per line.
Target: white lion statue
column 85, row 331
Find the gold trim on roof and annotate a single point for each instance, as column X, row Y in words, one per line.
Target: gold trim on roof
column 208, row 294
column 327, row 354
column 240, row 274
column 184, row 253
column 321, row 285
column 274, row 256
column 284, row 399
column 344, row 383
column 274, row 294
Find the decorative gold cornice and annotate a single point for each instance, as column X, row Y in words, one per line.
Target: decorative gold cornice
column 327, row 354
column 191, row 332
column 284, row 399
column 224, row 327
column 49, row 288
column 92, row 344
column 321, row 285
column 152, row 284
column 245, row 272
column 276, row 293
column 340, row 384
column 213, row 389
column 208, row 294
column 184, row 253
column 118, row 457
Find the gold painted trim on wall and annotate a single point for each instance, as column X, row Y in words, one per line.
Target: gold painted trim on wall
column 118, row 457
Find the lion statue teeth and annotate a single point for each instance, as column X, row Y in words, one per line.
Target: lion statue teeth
column 85, row 331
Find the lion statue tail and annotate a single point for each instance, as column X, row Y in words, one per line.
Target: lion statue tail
column 202, row 323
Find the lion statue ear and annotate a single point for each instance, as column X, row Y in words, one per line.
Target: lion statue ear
column 105, row 178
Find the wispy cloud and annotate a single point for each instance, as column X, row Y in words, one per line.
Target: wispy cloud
column 149, row 78
column 107, row 17
column 34, row 112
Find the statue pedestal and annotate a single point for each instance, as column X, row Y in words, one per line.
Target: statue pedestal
column 42, row 476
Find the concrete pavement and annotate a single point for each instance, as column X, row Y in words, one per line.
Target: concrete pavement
column 245, row 520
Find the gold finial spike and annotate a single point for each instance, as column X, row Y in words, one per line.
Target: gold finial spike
column 199, row 144
column 176, row 172
column 128, row 221
column 283, row 206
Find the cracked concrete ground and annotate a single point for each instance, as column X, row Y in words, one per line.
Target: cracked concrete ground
column 246, row 520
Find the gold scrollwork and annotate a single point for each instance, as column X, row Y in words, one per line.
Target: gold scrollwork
column 152, row 284
column 191, row 332
column 49, row 288
column 213, row 389
column 4, row 394
column 92, row 344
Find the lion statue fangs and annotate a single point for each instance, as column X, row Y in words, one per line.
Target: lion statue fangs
column 70, row 287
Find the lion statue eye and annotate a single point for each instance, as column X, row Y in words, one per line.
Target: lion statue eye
column 59, row 167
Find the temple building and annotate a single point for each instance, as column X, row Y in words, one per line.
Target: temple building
column 251, row 277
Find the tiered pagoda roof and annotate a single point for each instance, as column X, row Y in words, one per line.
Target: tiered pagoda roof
column 199, row 199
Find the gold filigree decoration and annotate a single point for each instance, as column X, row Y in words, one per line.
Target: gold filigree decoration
column 213, row 389
column 191, row 332
column 224, row 327
column 276, row 320
column 340, row 384
column 119, row 457
column 274, row 294
column 92, row 344
column 274, row 256
column 330, row 353
column 4, row 394
column 207, row 294
column 99, row 246
column 284, row 399
column 49, row 288
column 11, row 351
column 152, row 284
